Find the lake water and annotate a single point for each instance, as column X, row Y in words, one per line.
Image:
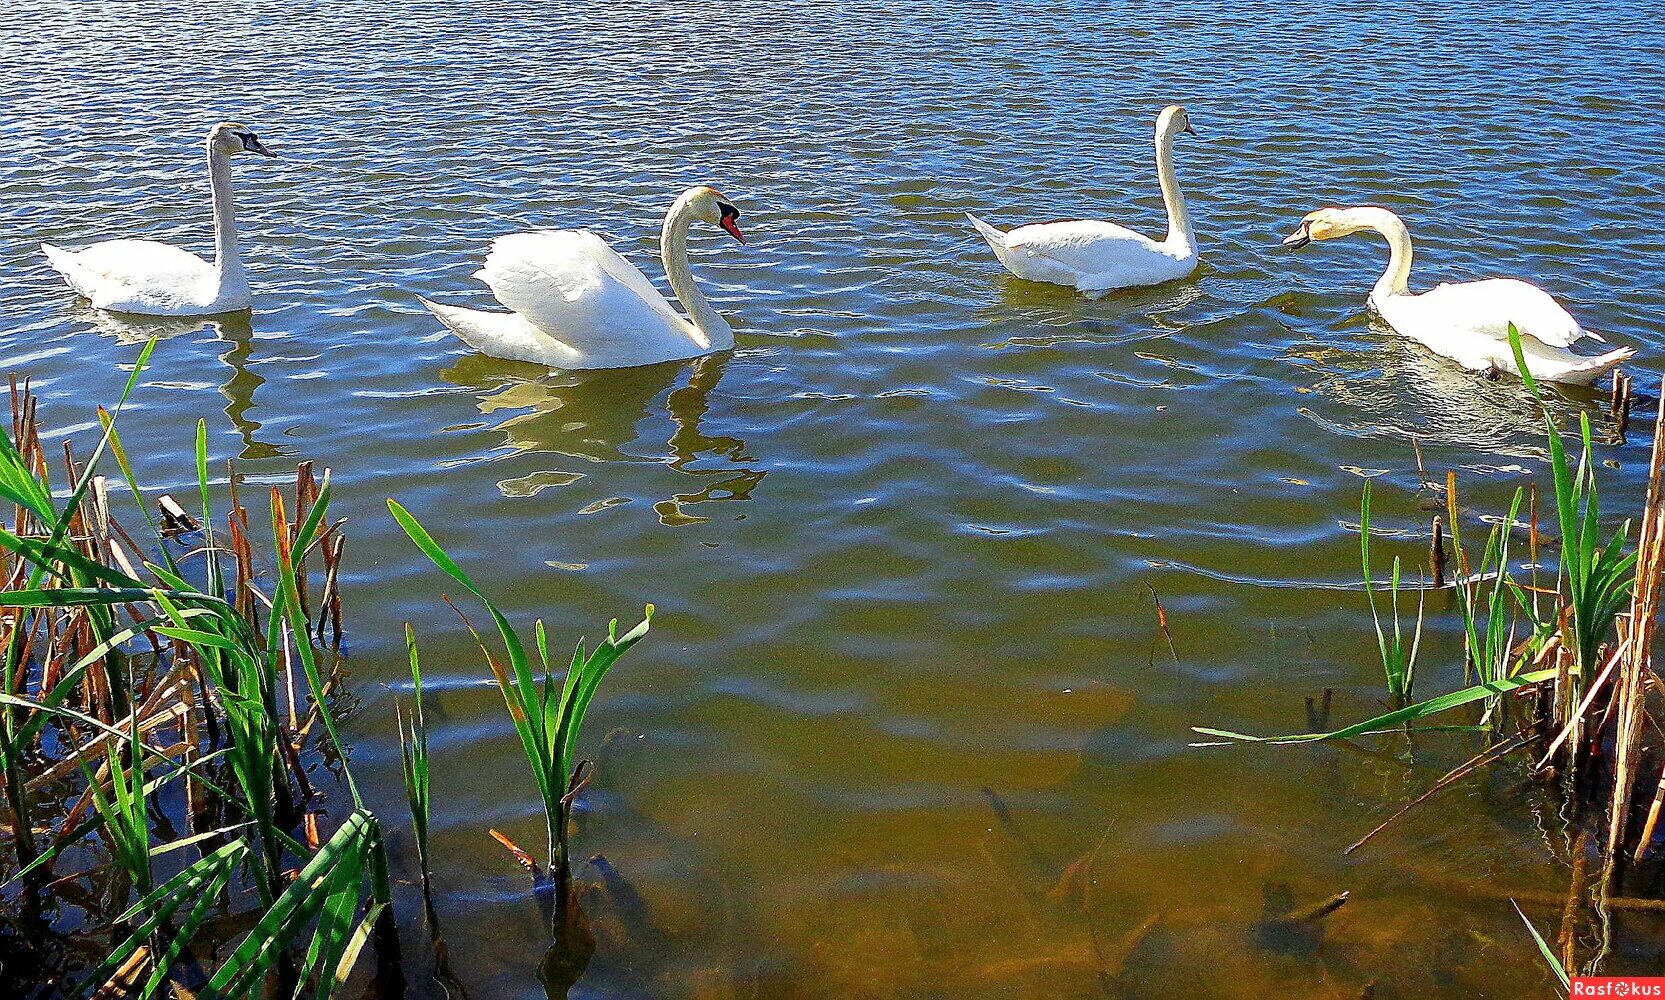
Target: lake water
column 905, row 540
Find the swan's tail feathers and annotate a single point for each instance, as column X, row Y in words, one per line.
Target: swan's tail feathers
column 474, row 326
column 68, row 264
column 998, row 243
column 449, row 315
column 1601, row 364
column 996, row 239
column 503, row 335
column 1584, row 371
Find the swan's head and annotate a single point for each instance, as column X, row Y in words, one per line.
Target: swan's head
column 231, row 138
column 708, row 205
column 1324, row 224
column 1173, row 120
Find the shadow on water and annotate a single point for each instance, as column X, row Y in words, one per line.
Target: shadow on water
column 607, row 416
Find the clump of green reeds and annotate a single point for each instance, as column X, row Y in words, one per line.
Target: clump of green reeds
column 548, row 714
column 141, row 694
column 1398, row 659
column 1595, row 579
column 1584, row 653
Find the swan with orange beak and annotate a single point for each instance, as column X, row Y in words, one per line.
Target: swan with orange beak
column 575, row 303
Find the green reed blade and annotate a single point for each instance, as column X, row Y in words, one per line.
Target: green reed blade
column 260, row 949
column 413, row 752
column 1410, row 713
column 1544, row 949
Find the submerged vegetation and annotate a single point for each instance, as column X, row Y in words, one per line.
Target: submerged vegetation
column 169, row 698
column 1563, row 672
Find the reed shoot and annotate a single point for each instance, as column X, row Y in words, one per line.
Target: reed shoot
column 548, row 715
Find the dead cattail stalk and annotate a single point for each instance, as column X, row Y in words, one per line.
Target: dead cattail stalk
column 1436, row 551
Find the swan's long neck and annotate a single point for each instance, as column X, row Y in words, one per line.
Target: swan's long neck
column 711, row 331
column 1180, row 236
column 226, row 260
column 1397, row 278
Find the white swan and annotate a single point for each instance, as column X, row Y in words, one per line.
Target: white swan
column 1097, row 257
column 154, row 279
column 1467, row 322
column 578, row 304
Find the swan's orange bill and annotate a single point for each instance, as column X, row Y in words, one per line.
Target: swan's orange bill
column 732, row 228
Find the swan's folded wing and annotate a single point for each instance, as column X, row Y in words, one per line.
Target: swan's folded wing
column 132, row 269
column 1089, row 246
column 1488, row 307
column 573, row 285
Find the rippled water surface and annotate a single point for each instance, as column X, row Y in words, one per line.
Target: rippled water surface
column 906, row 540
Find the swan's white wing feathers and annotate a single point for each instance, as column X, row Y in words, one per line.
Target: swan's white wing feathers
column 1488, row 307
column 135, row 274
column 1088, row 246
column 505, row 335
column 1452, row 326
column 1091, row 254
column 572, row 285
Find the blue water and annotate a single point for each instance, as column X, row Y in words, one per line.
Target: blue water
column 904, row 540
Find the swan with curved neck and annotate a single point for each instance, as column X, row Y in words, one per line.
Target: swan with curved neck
column 155, row 279
column 1467, row 322
column 575, row 303
column 1095, row 257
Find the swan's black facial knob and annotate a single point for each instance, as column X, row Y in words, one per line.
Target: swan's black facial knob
column 727, row 216
column 251, row 143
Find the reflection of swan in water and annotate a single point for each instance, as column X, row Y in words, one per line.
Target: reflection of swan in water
column 232, row 329
column 1058, row 315
column 1392, row 387
column 596, row 416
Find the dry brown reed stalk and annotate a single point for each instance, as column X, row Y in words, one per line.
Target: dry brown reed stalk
column 60, row 738
column 1456, row 774
column 1636, row 644
column 1619, row 405
column 1451, row 515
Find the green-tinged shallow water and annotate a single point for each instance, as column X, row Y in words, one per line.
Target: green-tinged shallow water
column 903, row 541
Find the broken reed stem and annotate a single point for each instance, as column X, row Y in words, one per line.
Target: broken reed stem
column 1619, row 407
column 337, row 550
column 1456, row 774
column 1451, row 514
